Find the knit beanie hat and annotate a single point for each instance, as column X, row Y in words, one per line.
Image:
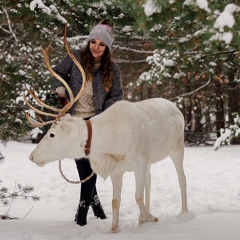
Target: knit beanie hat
column 102, row 32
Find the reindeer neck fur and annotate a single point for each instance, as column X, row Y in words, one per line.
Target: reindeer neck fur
column 103, row 161
column 79, row 135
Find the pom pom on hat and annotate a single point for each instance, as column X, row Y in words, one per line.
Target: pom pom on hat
column 102, row 32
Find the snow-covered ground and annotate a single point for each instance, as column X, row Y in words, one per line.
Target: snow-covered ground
column 213, row 198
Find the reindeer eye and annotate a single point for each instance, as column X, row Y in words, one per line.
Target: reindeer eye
column 52, row 135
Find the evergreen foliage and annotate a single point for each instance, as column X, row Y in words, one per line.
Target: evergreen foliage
column 228, row 134
column 23, row 192
column 27, row 26
column 192, row 59
column 196, row 63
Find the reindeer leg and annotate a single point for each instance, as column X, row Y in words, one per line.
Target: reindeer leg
column 177, row 158
column 140, row 177
column 117, row 188
column 148, row 189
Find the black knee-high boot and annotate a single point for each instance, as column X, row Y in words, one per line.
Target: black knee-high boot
column 88, row 194
column 96, row 205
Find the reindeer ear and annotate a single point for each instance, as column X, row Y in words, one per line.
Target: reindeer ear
column 66, row 127
column 66, row 116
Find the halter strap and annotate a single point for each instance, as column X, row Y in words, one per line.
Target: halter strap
column 89, row 140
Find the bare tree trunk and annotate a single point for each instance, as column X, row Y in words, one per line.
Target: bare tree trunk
column 233, row 100
column 198, row 118
column 220, row 122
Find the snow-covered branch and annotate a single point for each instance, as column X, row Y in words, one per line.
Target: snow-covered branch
column 196, row 90
column 228, row 133
column 51, row 10
column 10, row 31
column 133, row 50
column 128, row 61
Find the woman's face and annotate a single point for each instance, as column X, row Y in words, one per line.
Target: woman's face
column 97, row 48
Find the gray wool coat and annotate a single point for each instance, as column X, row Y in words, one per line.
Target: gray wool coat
column 68, row 70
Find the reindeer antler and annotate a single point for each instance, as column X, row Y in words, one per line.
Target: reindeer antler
column 63, row 111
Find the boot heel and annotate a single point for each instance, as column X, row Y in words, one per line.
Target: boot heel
column 97, row 208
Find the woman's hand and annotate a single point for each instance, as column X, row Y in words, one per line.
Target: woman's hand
column 62, row 95
column 56, row 100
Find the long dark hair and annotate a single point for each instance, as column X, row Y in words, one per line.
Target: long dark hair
column 106, row 64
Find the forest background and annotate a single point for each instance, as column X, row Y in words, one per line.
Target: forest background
column 184, row 51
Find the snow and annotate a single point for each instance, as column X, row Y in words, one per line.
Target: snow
column 228, row 133
column 169, row 63
column 40, row 5
column 213, row 197
column 48, row 10
column 225, row 19
column 150, row 8
column 225, row 134
column 226, row 14
column 203, row 4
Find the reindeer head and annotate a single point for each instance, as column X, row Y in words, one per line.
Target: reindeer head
column 65, row 139
column 62, row 136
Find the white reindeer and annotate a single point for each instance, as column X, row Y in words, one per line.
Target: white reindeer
column 125, row 137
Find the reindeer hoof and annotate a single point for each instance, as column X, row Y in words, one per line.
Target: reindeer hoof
column 115, row 229
column 148, row 218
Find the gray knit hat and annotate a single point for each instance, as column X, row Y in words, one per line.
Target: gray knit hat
column 102, row 32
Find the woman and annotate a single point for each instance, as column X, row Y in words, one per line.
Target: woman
column 102, row 89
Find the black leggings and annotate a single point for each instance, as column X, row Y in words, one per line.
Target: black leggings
column 88, row 188
column 88, row 194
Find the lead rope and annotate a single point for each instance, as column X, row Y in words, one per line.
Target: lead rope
column 87, row 151
column 74, row 182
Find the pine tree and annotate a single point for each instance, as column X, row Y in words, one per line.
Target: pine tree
column 23, row 192
column 24, row 28
column 20, row 64
column 196, row 61
column 228, row 134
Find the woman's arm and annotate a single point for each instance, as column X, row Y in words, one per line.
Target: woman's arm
column 63, row 69
column 116, row 92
